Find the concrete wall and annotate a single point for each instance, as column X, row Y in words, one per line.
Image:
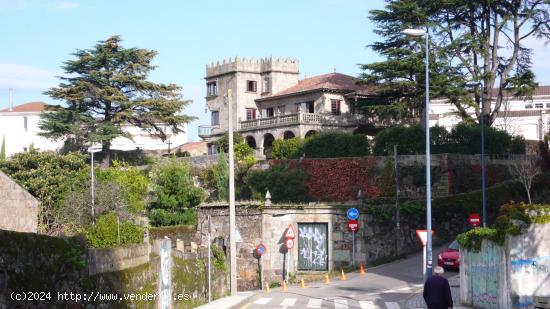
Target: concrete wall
column 510, row 276
column 528, row 261
column 18, row 208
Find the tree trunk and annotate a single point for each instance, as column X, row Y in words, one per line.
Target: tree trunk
column 106, row 150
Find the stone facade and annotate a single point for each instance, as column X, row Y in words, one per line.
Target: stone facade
column 18, row 208
column 376, row 240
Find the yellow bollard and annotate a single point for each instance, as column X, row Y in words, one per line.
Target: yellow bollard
column 284, row 286
column 362, row 269
column 343, row 276
column 267, row 287
column 303, row 285
column 327, row 280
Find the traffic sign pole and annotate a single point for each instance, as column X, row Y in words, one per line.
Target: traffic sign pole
column 353, row 250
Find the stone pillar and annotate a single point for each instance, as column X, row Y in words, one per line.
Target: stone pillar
column 165, row 276
column 179, row 245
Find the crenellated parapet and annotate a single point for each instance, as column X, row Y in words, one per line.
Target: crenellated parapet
column 262, row 65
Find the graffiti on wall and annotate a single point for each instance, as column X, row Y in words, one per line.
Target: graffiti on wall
column 485, row 276
column 312, row 246
column 536, row 271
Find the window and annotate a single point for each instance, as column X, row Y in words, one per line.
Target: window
column 266, row 87
column 298, row 107
column 215, row 118
column 250, row 113
column 281, row 110
column 547, row 105
column 335, row 107
column 310, row 108
column 269, row 112
column 25, row 149
column 211, row 89
column 528, row 105
column 251, row 86
column 539, row 105
column 25, row 123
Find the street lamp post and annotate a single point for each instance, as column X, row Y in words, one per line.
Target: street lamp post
column 232, row 234
column 483, row 178
column 428, row 266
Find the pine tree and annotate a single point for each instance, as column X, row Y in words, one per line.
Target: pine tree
column 469, row 41
column 106, row 88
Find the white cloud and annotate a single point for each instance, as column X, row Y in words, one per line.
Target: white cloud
column 26, row 78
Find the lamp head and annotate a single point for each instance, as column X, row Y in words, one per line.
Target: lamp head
column 414, row 32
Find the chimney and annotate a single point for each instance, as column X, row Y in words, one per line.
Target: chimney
column 11, row 99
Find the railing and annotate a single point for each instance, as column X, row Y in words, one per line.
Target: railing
column 206, row 131
column 318, row 119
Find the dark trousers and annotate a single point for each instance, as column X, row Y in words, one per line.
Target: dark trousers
column 437, row 307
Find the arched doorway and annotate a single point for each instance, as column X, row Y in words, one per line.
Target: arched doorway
column 288, row 135
column 268, row 143
column 311, row 133
column 251, row 142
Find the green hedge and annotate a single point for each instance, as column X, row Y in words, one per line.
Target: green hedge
column 283, row 183
column 104, row 234
column 463, row 138
column 287, row 148
column 162, row 217
column 336, row 145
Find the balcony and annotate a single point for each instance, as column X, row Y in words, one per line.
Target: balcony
column 328, row 120
column 207, row 131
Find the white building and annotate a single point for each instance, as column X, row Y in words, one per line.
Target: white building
column 19, row 129
column 528, row 118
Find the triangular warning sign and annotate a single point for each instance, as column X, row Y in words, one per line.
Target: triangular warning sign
column 290, row 232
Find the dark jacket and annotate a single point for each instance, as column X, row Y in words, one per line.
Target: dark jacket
column 437, row 293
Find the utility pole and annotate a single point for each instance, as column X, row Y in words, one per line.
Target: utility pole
column 397, row 209
column 232, row 234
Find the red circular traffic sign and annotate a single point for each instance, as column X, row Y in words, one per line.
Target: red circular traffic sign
column 474, row 219
column 289, row 242
column 353, row 225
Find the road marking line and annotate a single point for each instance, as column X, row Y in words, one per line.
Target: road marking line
column 392, row 305
column 288, row 302
column 263, row 301
column 340, row 304
column 314, row 303
column 366, row 304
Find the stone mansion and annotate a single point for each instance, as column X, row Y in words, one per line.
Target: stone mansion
column 270, row 102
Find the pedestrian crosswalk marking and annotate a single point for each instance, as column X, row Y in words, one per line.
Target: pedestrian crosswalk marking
column 366, row 305
column 263, row 301
column 340, row 304
column 288, row 302
column 314, row 303
column 392, row 305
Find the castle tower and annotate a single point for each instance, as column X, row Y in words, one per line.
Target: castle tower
column 248, row 79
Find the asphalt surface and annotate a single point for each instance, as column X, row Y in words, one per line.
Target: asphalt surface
column 393, row 286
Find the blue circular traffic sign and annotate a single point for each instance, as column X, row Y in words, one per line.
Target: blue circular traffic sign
column 353, row 214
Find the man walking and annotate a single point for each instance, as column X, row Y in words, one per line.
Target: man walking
column 437, row 292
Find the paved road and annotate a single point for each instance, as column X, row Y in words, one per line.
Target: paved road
column 392, row 286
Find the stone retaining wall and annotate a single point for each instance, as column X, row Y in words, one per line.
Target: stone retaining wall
column 115, row 259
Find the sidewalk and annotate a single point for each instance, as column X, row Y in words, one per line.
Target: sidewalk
column 417, row 301
column 229, row 301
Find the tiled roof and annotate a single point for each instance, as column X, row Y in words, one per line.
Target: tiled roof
column 26, row 108
column 539, row 91
column 331, row 81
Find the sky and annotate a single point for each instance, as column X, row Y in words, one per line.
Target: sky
column 39, row 35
